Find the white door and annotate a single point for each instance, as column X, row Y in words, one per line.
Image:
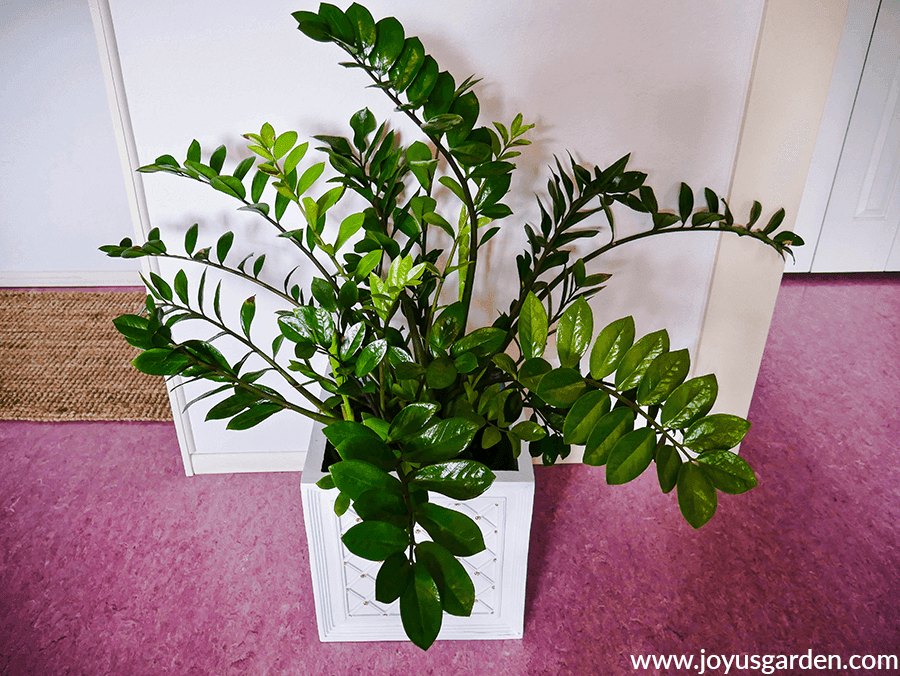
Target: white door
column 860, row 229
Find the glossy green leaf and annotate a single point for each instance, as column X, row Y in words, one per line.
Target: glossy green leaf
column 441, row 97
column 717, row 432
column 363, row 26
column 668, row 463
column 375, row 540
column 424, row 82
column 606, row 433
column 217, row 159
column 533, row 327
column 326, row 483
column 482, row 342
column 459, row 479
column 312, row 26
column 639, row 357
column 394, row 575
column 685, row 202
column 665, row 373
column 467, row 107
column 527, row 430
column 283, row 144
column 363, row 123
column 294, row 157
column 253, row 416
column 441, row 373
column 388, row 44
column 161, row 286
column 258, row 186
column 696, row 495
column 454, row 531
column 355, row 477
column 774, row 222
column 610, row 347
column 420, row 608
column 584, row 415
column 248, row 311
column 370, row 357
column 341, row 504
column 574, row 332
column 631, row 455
column 407, row 65
column 354, row 441
column 190, row 239
column 319, row 322
column 309, row 177
column 377, row 505
column 457, row 591
column 353, row 340
column 442, row 441
column 561, row 387
column 181, row 286
column 532, row 371
column 411, row 420
column 728, row 472
column 223, row 246
column 338, row 24
column 689, row 402
column 161, row 362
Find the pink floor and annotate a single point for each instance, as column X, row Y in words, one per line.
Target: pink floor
column 113, row 562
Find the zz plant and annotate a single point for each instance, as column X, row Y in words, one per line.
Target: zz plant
column 414, row 401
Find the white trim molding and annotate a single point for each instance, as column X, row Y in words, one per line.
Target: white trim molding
column 71, row 278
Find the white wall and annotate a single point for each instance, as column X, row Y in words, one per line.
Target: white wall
column 665, row 81
column 62, row 192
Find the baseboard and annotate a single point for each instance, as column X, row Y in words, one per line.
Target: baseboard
column 71, row 278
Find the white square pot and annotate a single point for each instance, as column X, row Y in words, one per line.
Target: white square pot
column 344, row 584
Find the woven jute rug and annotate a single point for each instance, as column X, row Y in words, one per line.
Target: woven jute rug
column 61, row 358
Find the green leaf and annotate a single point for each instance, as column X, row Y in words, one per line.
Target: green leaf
column 326, row 483
column 223, row 246
column 639, row 357
column 467, row 107
column 161, row 286
column 229, row 185
column 457, row 591
column 312, row 26
column 574, row 332
column 371, row 356
column 424, row 82
column 354, row 441
column 533, row 327
column 193, row 153
column 161, row 362
column 441, row 373
column 363, row 26
column 283, row 145
column 393, row 577
column 584, row 415
column 217, row 159
column 528, row 431
column 190, row 239
column 689, row 402
column 444, row 122
column 666, row 372
column 368, row 263
column 248, row 311
column 631, row 455
column 309, row 177
column 606, row 433
column 338, row 24
column 181, row 286
column 411, row 420
column 532, row 371
column 685, row 202
column 442, row 441
column 353, row 340
column 420, row 608
column 459, row 479
column 341, row 504
column 717, row 432
column 561, row 387
column 388, row 44
column 755, row 213
column 441, row 96
column 712, row 201
column 774, row 222
column 696, row 495
column 482, row 342
column 253, row 416
column 454, row 531
column 668, row 462
column 728, row 472
column 355, row 477
column 610, row 348
column 407, row 65
column 376, row 505
column 294, row 157
column 259, row 184
column 375, row 540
